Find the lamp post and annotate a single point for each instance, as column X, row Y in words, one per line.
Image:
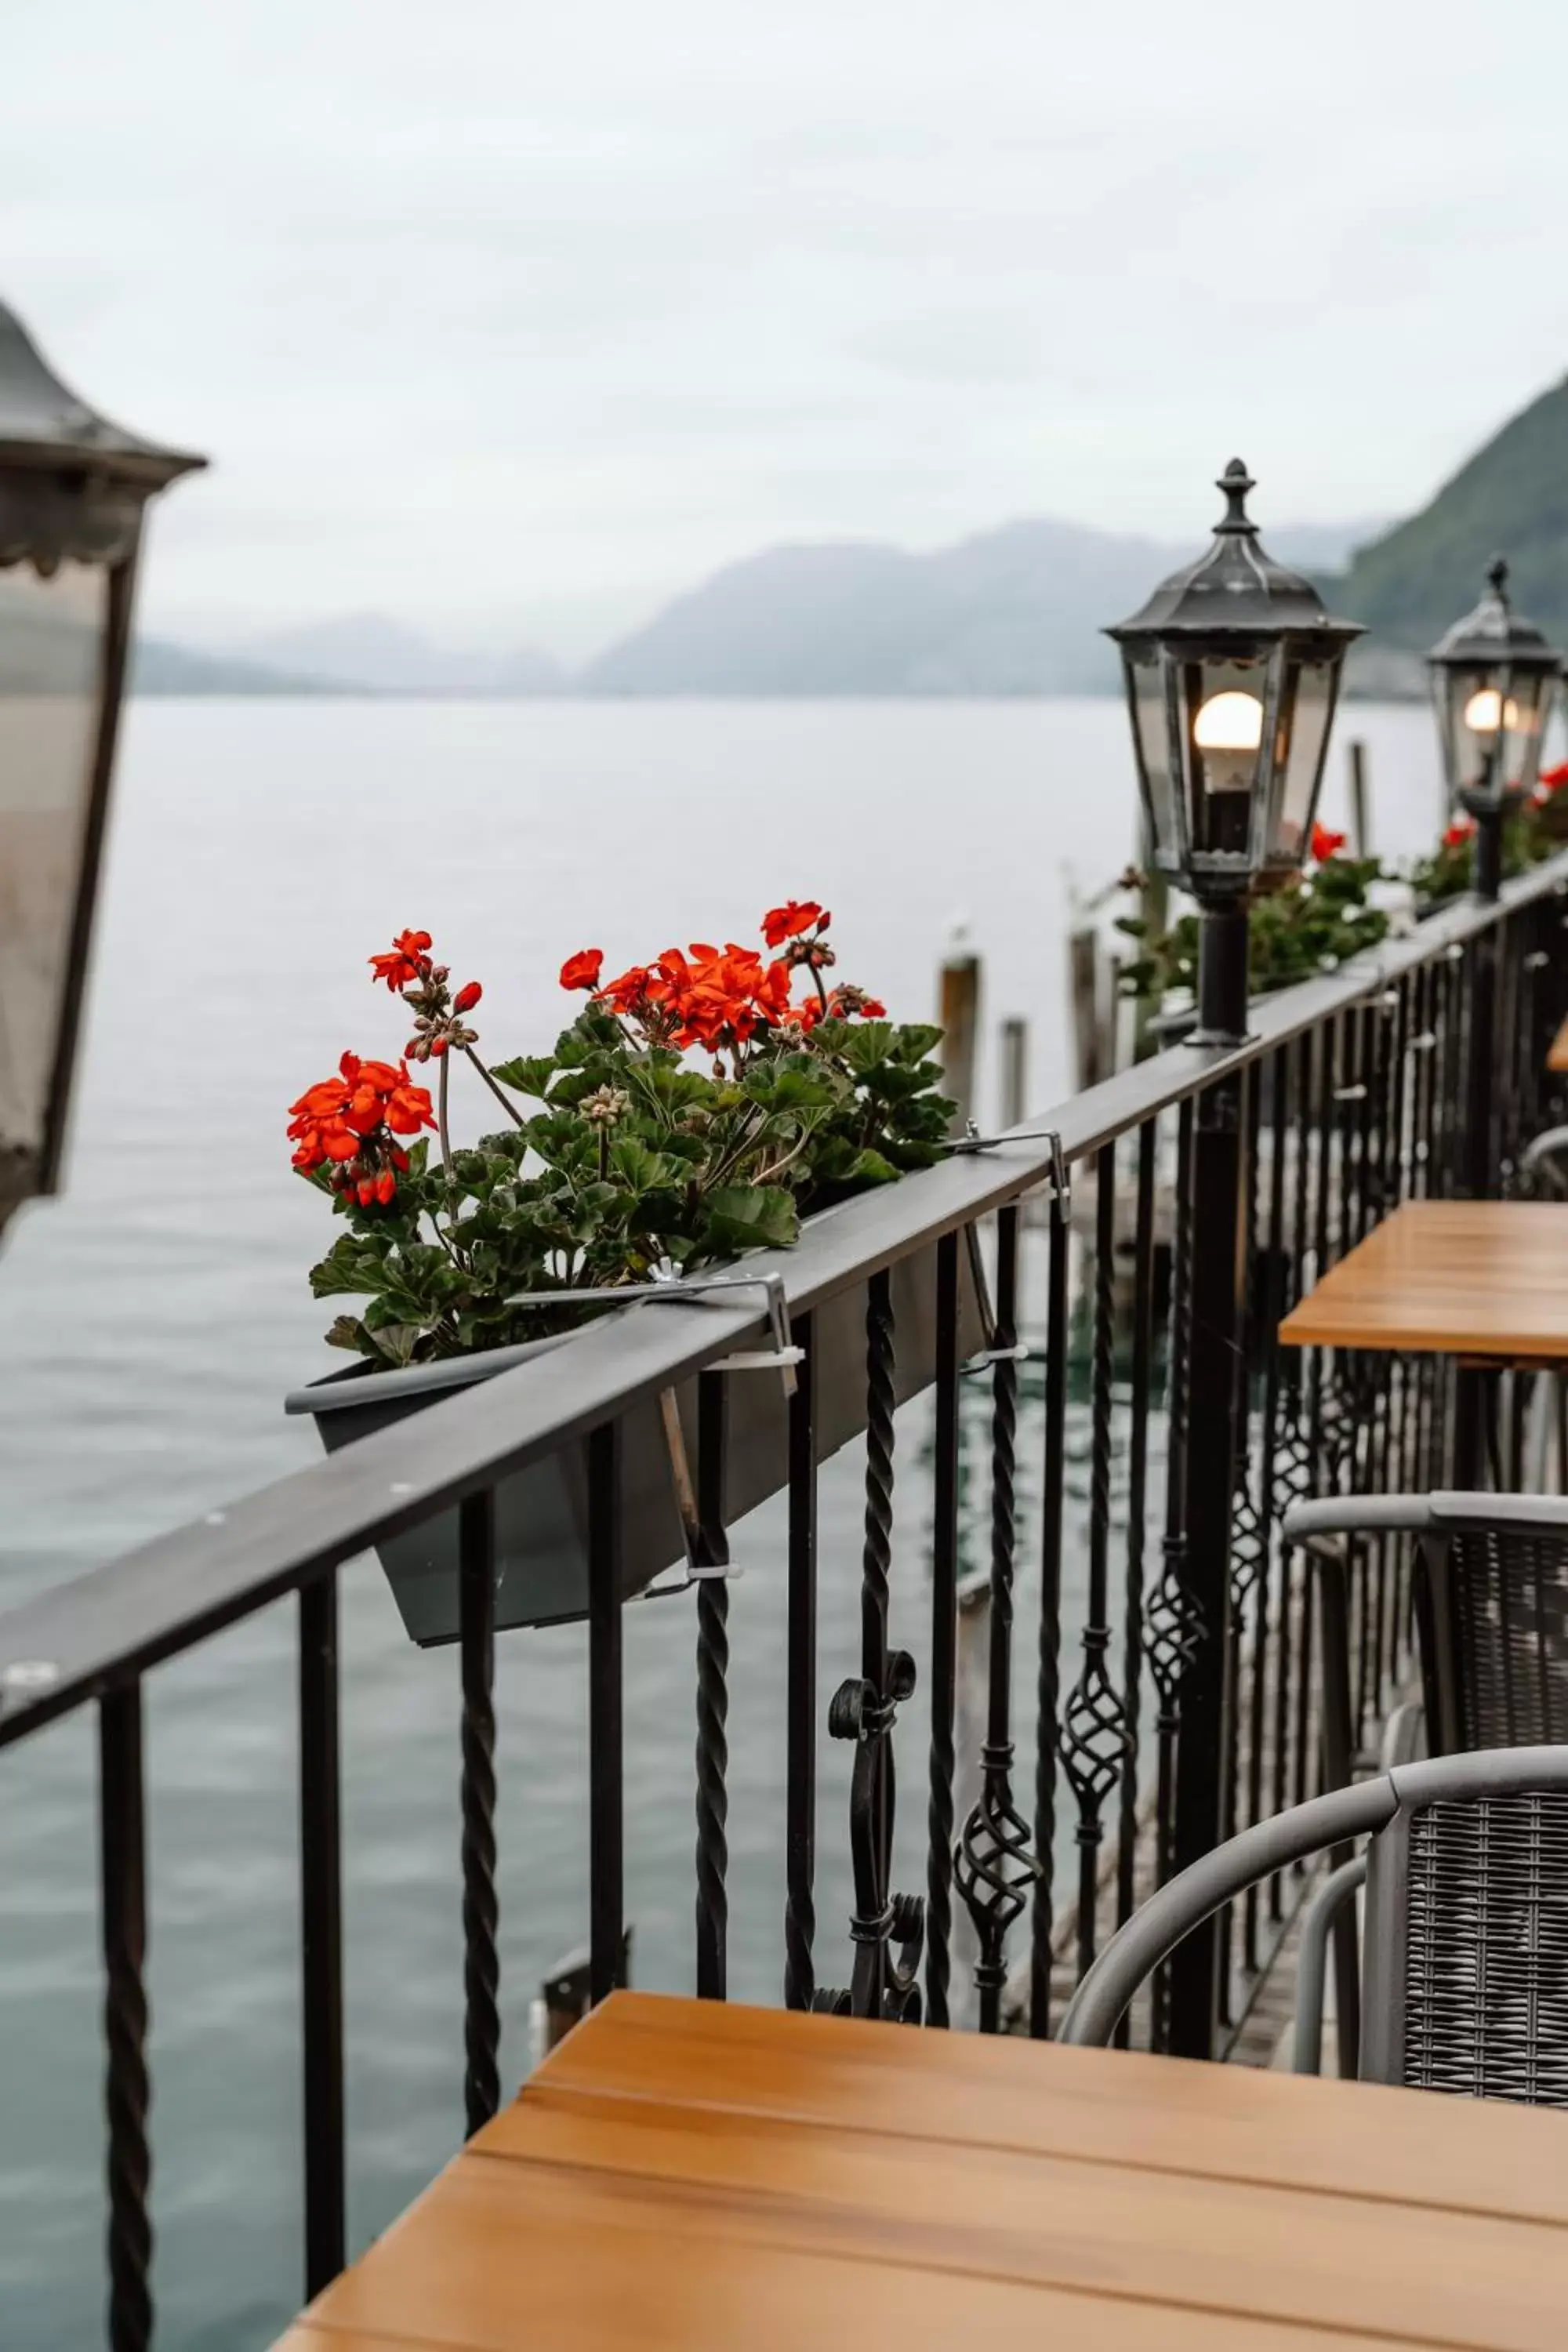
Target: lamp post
column 1233, row 671
column 73, row 492
column 1494, row 677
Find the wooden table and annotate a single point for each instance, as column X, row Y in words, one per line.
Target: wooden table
column 1557, row 1052
column 684, row 2176
column 1485, row 1279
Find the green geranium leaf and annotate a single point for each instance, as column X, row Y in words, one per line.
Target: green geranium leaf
column 530, row 1074
column 751, row 1216
column 776, row 1089
column 913, row 1040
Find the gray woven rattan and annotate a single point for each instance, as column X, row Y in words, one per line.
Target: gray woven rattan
column 1491, row 1605
column 1466, row 1984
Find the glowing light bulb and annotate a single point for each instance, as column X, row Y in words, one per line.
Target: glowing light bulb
column 1486, row 711
column 1229, row 729
column 1230, row 722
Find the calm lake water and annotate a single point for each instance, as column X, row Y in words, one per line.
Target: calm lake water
column 153, row 1318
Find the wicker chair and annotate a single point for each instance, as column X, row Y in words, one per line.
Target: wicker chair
column 1466, row 1983
column 1491, row 1613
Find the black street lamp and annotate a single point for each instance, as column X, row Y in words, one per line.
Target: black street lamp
column 73, row 491
column 1493, row 680
column 1233, row 672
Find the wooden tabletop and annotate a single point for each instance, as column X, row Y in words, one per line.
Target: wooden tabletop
column 1452, row 1277
column 1557, row 1052
column 687, row 2176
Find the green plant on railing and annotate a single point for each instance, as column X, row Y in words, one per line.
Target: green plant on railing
column 1322, row 916
column 627, row 1156
column 1538, row 829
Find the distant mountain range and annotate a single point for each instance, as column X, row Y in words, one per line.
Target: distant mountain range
column 1012, row 612
column 1512, row 498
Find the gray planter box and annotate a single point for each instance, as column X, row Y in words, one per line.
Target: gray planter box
column 541, row 1512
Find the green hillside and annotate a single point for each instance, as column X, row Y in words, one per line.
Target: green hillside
column 1511, row 498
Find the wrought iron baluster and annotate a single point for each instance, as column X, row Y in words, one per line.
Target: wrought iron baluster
column 712, row 1694
column 944, row 1639
column 1094, row 1742
column 1290, row 1455
column 800, row 1827
column 607, row 1834
column 1137, row 1524
column 1170, row 1628
column 884, row 1983
column 481, row 1956
column 1049, row 1671
column 993, row 1865
column 1249, row 1540
column 1270, row 1309
column 122, row 1831
column 321, row 1932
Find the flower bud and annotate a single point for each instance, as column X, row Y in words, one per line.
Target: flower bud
column 467, row 997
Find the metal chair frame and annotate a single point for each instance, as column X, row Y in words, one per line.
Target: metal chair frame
column 1383, row 1810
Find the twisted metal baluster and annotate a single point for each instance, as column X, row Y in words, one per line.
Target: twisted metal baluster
column 481, row 1960
column 1171, row 1623
column 1137, row 1529
column 945, row 1639
column 800, row 1826
column 1047, row 1682
column 864, row 1709
column 993, row 1865
column 1094, row 1742
column 127, row 2090
column 712, row 1695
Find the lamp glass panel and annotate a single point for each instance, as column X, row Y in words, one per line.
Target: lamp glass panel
column 1151, row 739
column 51, row 639
column 1526, row 709
column 1223, row 704
column 1302, row 739
column 1480, row 721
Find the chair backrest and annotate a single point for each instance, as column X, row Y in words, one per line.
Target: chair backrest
column 1467, row 1925
column 1495, row 1635
column 1466, row 1983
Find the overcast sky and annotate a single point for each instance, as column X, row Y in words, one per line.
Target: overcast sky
column 510, row 320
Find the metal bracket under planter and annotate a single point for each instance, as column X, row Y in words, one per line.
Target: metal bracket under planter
column 541, row 1511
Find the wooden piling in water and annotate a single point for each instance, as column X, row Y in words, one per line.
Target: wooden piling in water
column 959, row 1013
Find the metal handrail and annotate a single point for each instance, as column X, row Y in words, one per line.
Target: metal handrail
column 67, row 1645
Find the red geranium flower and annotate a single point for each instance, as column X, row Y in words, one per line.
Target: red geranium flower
column 1325, row 845
column 1553, row 779
column 1458, row 832
column 467, row 997
column 622, row 995
column 407, row 959
column 786, row 922
column 583, row 970
column 345, row 1118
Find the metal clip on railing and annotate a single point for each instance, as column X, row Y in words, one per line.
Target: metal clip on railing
column 707, row 1551
column 1056, row 1186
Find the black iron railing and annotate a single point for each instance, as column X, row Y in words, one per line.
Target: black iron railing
column 1187, row 1704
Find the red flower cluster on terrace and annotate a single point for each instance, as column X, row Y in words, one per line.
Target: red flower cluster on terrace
column 408, row 961
column 1325, row 845
column 1459, row 832
column 1551, row 781
column 796, row 914
column 351, row 1119
column 583, row 970
column 719, row 998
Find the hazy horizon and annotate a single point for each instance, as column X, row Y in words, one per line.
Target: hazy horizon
column 514, row 326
